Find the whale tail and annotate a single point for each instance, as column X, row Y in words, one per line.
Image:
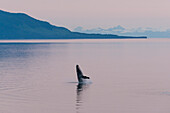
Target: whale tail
column 80, row 75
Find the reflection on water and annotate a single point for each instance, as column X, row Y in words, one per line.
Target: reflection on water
column 128, row 77
column 80, row 92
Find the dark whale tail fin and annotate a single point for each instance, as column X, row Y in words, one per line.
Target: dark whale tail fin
column 78, row 70
column 80, row 75
column 85, row 77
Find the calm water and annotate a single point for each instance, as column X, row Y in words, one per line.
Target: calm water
column 129, row 76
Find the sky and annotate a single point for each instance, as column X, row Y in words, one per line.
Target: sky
column 95, row 13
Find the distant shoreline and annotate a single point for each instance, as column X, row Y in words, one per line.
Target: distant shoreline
column 35, row 41
column 69, row 40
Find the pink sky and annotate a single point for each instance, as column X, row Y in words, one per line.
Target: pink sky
column 95, row 13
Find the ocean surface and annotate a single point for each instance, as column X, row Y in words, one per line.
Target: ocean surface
column 128, row 76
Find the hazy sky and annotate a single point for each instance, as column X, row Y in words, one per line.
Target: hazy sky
column 95, row 13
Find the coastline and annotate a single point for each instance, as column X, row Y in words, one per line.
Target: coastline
column 156, row 40
column 72, row 40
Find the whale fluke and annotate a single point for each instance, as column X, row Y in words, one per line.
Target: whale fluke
column 80, row 75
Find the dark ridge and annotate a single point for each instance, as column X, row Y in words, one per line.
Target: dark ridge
column 23, row 26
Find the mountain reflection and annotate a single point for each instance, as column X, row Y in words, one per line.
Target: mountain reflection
column 20, row 50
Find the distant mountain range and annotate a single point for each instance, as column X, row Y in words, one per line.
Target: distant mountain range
column 119, row 30
column 23, row 26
